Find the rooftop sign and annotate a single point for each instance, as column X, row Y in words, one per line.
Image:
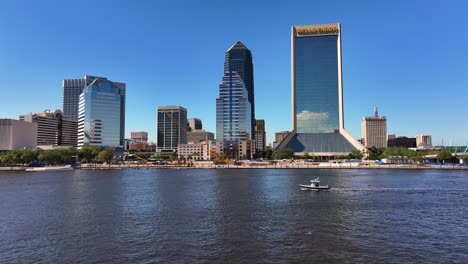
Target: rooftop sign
column 317, row 30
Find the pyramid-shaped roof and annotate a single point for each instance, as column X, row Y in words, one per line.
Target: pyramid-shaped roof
column 238, row 46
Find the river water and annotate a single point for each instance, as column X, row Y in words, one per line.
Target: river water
column 234, row 216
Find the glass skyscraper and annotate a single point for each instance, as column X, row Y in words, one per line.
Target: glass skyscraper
column 238, row 58
column 317, row 93
column 72, row 89
column 99, row 114
column 233, row 116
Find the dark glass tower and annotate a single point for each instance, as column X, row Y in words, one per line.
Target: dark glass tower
column 172, row 127
column 238, row 58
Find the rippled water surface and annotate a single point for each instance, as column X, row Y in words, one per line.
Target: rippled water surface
column 234, row 216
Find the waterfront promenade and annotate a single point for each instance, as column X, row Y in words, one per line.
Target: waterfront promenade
column 288, row 165
column 259, row 165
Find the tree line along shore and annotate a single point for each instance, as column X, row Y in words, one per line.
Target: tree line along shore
column 90, row 157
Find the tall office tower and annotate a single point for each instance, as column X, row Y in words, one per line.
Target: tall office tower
column 72, row 89
column 423, row 140
column 374, row 130
column 260, row 135
column 194, row 124
column 140, row 137
column 101, row 116
column 238, row 58
column 317, row 93
column 233, row 116
column 172, row 127
column 53, row 129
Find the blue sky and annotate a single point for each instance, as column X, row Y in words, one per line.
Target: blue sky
column 409, row 58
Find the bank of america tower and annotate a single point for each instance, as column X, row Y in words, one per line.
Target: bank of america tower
column 235, row 108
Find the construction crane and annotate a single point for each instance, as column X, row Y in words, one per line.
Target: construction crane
column 177, row 122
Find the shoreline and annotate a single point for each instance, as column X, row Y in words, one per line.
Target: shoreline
column 254, row 166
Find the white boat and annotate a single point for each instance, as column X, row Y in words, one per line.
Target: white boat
column 314, row 186
column 49, row 168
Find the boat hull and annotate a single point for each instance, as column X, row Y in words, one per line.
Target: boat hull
column 314, row 188
column 50, row 168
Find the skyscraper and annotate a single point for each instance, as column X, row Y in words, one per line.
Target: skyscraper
column 238, row 58
column 260, row 135
column 233, row 117
column 374, row 130
column 72, row 89
column 101, row 120
column 317, row 93
column 172, row 127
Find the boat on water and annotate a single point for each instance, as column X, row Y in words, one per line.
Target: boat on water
column 314, row 186
column 50, row 168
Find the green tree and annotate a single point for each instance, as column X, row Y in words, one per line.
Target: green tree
column 106, row 155
column 375, row 153
column 444, row 156
column 88, row 153
column 24, row 156
column 284, row 153
column 355, row 154
column 28, row 156
column 9, row 159
column 416, row 156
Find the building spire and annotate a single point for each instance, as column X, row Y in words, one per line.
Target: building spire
column 376, row 112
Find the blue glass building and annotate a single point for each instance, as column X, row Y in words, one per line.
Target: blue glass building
column 317, row 93
column 100, row 121
column 233, row 114
column 238, row 58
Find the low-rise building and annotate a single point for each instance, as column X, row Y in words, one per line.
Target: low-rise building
column 197, row 136
column 53, row 129
column 404, row 142
column 139, row 146
column 423, row 140
column 189, row 151
column 16, row 134
column 139, row 137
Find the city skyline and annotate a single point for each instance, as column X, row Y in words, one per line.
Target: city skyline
column 384, row 63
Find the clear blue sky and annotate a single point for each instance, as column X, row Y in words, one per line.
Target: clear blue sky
column 409, row 58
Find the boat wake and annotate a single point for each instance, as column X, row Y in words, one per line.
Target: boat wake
column 396, row 189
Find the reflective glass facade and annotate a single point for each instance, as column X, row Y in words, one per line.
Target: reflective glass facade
column 316, row 84
column 233, row 109
column 317, row 93
column 99, row 121
column 73, row 88
column 238, row 58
